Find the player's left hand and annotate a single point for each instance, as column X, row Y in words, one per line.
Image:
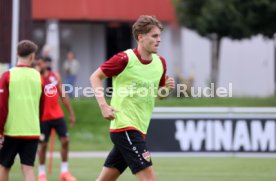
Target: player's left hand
column 170, row 83
column 72, row 120
column 1, row 141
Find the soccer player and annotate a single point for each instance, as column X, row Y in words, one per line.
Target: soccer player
column 53, row 118
column 20, row 107
column 137, row 76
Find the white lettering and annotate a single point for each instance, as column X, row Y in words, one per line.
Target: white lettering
column 230, row 90
column 221, row 92
column 263, row 138
column 223, row 135
column 77, row 89
column 209, row 135
column 88, row 92
column 209, row 91
column 65, row 89
column 182, row 89
column 190, row 134
column 194, row 93
column 241, row 136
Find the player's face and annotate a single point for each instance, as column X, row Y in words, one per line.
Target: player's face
column 70, row 56
column 41, row 65
column 151, row 40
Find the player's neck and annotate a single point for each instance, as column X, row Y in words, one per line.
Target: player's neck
column 24, row 62
column 145, row 55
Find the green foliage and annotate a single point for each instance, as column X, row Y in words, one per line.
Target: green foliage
column 261, row 16
column 235, row 19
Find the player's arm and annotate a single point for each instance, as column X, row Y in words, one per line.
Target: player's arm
column 114, row 66
column 166, row 84
column 96, row 82
column 4, row 98
column 66, row 101
column 42, row 100
column 167, row 88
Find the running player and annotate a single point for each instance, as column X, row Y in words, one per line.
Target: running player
column 136, row 75
column 53, row 118
column 21, row 103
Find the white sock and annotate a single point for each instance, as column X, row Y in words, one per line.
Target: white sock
column 41, row 170
column 64, row 167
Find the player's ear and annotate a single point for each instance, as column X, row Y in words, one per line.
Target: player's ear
column 140, row 37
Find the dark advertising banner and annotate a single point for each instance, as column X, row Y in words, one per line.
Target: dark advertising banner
column 212, row 135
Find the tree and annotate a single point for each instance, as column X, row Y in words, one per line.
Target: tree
column 261, row 16
column 263, row 22
column 235, row 19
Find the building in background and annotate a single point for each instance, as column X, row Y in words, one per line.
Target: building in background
column 24, row 29
column 97, row 29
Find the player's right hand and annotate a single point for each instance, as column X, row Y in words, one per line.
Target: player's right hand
column 1, row 141
column 72, row 120
column 108, row 112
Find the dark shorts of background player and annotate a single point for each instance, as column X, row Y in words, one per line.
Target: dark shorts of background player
column 129, row 150
column 58, row 124
column 26, row 148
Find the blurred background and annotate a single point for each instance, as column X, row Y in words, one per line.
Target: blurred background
column 203, row 42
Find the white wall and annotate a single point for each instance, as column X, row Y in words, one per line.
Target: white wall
column 248, row 64
column 170, row 49
column 196, row 53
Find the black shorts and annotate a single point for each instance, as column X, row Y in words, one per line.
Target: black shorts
column 26, row 148
column 129, row 150
column 58, row 124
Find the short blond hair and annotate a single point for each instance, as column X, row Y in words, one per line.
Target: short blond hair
column 144, row 24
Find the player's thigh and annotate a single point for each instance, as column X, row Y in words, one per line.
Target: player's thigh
column 27, row 152
column 132, row 147
column 116, row 160
column 45, row 128
column 8, row 152
column 61, row 128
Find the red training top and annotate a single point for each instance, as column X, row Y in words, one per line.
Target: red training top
column 52, row 109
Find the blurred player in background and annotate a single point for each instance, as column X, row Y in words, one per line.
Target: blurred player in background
column 71, row 68
column 21, row 103
column 138, row 72
column 53, row 118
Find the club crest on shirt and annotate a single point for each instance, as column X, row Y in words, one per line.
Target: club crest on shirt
column 146, row 156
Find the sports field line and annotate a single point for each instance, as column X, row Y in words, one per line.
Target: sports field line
column 103, row 154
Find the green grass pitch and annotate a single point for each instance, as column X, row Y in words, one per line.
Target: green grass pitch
column 176, row 169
